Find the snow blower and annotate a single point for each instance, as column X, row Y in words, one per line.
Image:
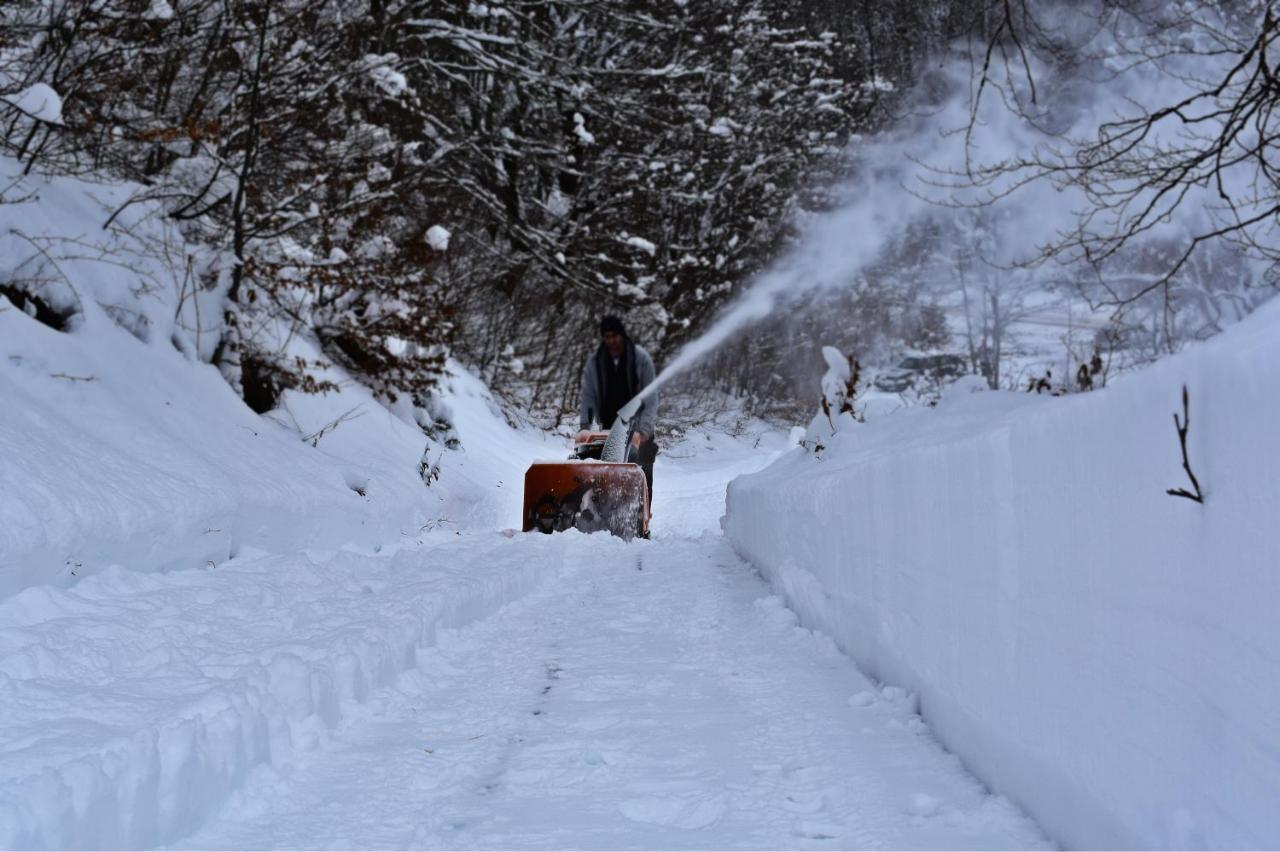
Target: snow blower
column 599, row 487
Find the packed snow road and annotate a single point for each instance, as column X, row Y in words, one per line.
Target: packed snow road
column 657, row 696
column 466, row 688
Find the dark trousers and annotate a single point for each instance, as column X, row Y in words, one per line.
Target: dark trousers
column 647, row 453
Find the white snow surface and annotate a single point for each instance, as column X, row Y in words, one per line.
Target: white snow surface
column 117, row 452
column 159, row 10
column 468, row 687
column 393, row 83
column 1106, row 655
column 134, row 704
column 438, row 237
column 38, row 101
column 652, row 697
column 580, row 130
column 642, row 244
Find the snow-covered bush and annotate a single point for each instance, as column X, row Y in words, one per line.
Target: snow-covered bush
column 835, row 409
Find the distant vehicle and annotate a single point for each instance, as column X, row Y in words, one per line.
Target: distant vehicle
column 896, row 380
column 917, row 368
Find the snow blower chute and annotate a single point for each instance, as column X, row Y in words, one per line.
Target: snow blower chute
column 598, row 488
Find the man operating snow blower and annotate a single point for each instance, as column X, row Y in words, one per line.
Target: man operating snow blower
column 617, row 371
column 606, row 483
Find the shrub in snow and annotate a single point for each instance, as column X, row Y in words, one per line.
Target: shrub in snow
column 427, row 469
column 381, row 320
column 435, row 419
column 839, row 389
column 1183, row 426
column 1090, row 373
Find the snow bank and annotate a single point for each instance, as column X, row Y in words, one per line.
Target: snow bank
column 1104, row 654
column 134, row 705
column 119, row 447
column 117, row 452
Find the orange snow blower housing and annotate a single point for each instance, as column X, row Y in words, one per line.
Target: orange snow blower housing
column 587, row 493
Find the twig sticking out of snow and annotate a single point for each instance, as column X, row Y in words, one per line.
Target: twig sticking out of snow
column 1182, row 425
column 351, row 414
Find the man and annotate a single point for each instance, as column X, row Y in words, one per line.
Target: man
column 616, row 372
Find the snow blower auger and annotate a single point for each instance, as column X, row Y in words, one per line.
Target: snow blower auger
column 598, row 488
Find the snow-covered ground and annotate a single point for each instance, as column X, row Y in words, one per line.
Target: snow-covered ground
column 653, row 696
column 133, row 704
column 467, row 687
column 691, row 476
column 1105, row 654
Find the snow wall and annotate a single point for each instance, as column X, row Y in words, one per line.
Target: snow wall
column 1103, row 654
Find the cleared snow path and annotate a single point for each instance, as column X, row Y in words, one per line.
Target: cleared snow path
column 656, row 697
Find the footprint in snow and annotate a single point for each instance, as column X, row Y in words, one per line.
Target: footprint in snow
column 799, row 803
column 675, row 812
column 923, row 805
column 863, row 699
column 811, row 830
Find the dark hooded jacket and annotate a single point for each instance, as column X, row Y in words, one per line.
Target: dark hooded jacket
column 606, row 387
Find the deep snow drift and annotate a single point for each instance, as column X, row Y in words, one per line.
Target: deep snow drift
column 1106, row 655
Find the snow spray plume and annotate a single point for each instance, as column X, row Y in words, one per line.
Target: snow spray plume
column 833, row 248
column 918, row 173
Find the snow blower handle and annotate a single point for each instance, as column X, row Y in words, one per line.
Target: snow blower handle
column 632, row 408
